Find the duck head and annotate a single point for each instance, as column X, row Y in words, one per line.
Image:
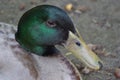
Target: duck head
column 44, row 26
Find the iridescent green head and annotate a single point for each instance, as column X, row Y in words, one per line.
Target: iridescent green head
column 43, row 26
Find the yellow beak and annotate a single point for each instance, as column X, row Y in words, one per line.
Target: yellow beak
column 79, row 49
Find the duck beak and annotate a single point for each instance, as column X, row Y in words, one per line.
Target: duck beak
column 79, row 49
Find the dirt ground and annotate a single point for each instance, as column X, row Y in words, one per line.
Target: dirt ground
column 97, row 20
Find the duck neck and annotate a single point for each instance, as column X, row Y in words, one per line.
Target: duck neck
column 43, row 50
column 50, row 50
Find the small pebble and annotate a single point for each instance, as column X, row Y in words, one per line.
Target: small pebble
column 86, row 70
column 117, row 73
column 78, row 12
column 95, row 21
column 83, row 8
column 108, row 25
column 22, row 6
column 32, row 2
column 69, row 7
column 98, row 49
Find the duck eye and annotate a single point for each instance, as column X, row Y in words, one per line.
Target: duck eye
column 51, row 23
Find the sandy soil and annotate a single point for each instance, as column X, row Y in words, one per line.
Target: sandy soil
column 97, row 20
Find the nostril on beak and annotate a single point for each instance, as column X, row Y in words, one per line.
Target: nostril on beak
column 101, row 65
column 78, row 43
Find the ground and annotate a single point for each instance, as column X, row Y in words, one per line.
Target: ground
column 97, row 20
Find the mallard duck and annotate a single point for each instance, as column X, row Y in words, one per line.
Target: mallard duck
column 31, row 54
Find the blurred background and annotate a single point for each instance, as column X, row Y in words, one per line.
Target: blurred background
column 98, row 21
